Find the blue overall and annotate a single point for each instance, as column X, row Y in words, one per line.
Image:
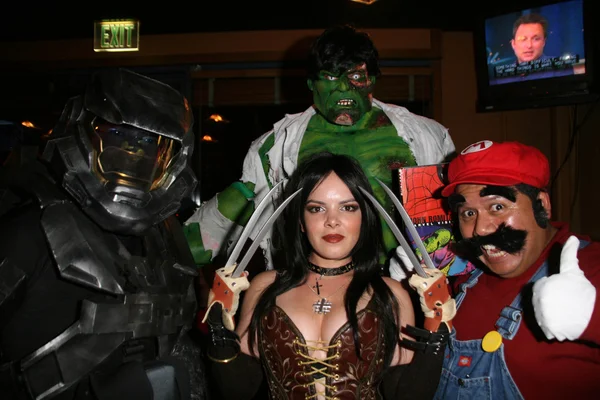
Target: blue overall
column 471, row 373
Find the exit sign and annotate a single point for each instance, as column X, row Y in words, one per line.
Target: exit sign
column 117, row 35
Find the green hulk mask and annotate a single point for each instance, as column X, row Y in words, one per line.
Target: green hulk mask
column 343, row 99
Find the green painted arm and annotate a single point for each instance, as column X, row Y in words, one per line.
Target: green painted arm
column 194, row 239
column 233, row 204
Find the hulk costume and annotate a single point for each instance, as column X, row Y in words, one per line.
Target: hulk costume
column 345, row 119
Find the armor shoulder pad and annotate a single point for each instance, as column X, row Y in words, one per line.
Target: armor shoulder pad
column 84, row 253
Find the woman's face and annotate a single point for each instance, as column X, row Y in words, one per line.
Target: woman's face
column 332, row 220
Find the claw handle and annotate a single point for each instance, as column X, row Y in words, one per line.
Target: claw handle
column 226, row 290
column 436, row 301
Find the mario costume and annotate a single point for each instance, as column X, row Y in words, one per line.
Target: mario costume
column 528, row 319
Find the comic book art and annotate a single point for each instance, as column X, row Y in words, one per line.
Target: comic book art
column 419, row 188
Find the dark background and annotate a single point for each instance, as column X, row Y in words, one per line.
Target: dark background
column 25, row 20
column 217, row 163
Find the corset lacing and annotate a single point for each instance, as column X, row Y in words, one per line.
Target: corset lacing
column 319, row 367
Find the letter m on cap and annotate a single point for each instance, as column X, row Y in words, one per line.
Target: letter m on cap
column 478, row 146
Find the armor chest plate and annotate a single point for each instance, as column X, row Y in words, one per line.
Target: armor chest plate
column 143, row 297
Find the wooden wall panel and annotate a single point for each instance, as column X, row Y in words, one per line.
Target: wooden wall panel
column 291, row 89
column 208, row 47
column 398, row 88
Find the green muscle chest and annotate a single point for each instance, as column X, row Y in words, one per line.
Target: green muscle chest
column 376, row 146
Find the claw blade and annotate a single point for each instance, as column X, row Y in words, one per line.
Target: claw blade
column 396, row 231
column 251, row 222
column 242, row 265
column 409, row 225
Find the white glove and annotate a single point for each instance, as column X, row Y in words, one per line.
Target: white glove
column 563, row 303
column 399, row 268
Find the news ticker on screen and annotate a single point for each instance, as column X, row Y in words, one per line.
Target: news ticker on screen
column 531, row 67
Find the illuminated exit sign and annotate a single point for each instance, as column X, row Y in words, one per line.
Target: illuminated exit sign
column 117, row 35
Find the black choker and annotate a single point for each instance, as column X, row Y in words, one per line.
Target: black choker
column 331, row 271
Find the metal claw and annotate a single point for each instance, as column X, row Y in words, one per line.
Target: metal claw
column 242, row 265
column 246, row 232
column 409, row 225
column 396, row 231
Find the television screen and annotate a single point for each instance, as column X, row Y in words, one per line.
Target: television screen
column 536, row 43
column 534, row 56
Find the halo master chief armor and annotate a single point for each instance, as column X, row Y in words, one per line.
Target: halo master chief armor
column 97, row 291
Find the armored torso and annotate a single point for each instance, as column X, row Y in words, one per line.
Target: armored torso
column 136, row 297
column 291, row 372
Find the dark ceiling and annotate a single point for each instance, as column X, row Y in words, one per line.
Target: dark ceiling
column 68, row 20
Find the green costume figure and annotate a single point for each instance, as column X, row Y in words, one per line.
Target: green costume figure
column 436, row 245
column 343, row 67
column 437, row 240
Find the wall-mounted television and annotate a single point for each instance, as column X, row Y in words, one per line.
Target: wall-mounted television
column 540, row 54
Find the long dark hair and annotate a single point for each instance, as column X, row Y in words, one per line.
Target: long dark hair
column 291, row 249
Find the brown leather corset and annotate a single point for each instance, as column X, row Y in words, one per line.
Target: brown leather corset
column 291, row 372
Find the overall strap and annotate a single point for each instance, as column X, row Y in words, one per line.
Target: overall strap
column 510, row 317
column 469, row 283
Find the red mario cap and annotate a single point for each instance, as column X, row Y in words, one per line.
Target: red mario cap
column 500, row 164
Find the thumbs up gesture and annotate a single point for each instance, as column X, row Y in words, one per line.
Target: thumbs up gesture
column 563, row 303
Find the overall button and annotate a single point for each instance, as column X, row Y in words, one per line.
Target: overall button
column 491, row 341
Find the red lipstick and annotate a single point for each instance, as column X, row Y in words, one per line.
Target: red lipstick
column 333, row 238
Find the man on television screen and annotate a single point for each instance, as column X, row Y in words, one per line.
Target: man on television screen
column 530, row 32
column 529, row 38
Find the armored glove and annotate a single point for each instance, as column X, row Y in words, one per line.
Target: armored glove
column 234, row 374
column 224, row 344
column 436, row 302
column 226, row 291
column 563, row 303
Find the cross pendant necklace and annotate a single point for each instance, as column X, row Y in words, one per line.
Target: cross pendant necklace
column 317, row 286
column 322, row 306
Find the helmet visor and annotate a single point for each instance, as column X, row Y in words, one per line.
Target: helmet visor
column 131, row 156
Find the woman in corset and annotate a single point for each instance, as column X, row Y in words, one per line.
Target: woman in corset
column 325, row 324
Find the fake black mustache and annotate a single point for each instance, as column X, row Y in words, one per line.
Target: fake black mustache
column 505, row 238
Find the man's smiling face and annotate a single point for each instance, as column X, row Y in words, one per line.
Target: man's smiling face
column 500, row 222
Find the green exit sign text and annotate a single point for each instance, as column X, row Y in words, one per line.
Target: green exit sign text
column 117, row 35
